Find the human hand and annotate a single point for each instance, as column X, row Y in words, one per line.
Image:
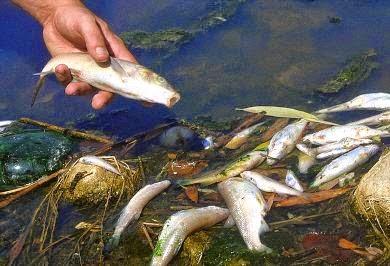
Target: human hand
column 74, row 28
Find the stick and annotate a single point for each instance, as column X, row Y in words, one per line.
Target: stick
column 147, row 236
column 300, row 219
column 65, row 131
column 32, row 187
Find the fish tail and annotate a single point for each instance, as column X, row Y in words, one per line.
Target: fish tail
column 112, row 243
column 39, row 85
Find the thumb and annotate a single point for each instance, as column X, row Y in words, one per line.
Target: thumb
column 94, row 40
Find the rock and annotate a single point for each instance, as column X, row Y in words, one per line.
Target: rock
column 371, row 198
column 89, row 184
column 25, row 156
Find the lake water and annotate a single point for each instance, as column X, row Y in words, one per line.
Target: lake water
column 271, row 52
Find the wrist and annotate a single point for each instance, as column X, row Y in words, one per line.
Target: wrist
column 43, row 10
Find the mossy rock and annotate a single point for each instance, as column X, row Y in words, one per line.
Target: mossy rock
column 89, row 184
column 26, row 156
column 356, row 70
column 371, row 198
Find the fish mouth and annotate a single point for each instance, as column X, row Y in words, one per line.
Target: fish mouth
column 173, row 100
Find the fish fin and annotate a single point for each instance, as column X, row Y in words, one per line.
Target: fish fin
column 119, row 69
column 39, row 85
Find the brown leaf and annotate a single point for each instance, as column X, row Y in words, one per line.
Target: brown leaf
column 270, row 201
column 186, row 168
column 346, row 244
column 192, row 193
column 271, row 172
column 274, row 128
column 172, row 155
column 248, row 120
column 310, row 198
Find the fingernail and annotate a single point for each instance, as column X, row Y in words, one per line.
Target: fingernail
column 101, row 52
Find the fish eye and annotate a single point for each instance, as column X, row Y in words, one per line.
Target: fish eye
column 160, row 79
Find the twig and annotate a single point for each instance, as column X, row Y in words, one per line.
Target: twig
column 180, row 208
column 153, row 224
column 65, row 131
column 147, row 236
column 300, row 219
column 32, row 187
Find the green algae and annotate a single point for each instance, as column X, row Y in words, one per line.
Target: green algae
column 171, row 40
column 356, row 70
column 24, row 157
column 193, row 248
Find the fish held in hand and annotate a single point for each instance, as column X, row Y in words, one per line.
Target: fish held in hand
column 121, row 77
column 248, row 208
column 132, row 211
column 267, row 184
column 179, row 226
column 283, row 142
column 337, row 133
column 370, row 101
column 94, row 160
column 345, row 164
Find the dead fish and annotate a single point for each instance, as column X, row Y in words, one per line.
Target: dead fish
column 179, row 226
column 292, row 181
column 248, row 208
column 132, row 211
column 121, row 77
column 245, row 162
column 383, row 118
column 345, row 143
column 93, row 160
column 337, row 133
column 283, row 142
column 267, row 184
column 345, row 163
column 305, row 162
column 306, row 150
column 5, row 124
column 240, row 138
column 369, row 101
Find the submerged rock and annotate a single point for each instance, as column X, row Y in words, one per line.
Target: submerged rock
column 90, row 184
column 358, row 69
column 371, row 198
column 26, row 156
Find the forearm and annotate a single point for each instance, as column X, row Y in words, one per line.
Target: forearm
column 42, row 9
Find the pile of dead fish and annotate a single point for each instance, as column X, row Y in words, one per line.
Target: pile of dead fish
column 339, row 148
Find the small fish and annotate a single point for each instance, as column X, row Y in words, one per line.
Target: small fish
column 122, row 77
column 337, row 133
column 93, row 160
column 305, row 162
column 180, row 137
column 132, row 211
column 292, row 181
column 369, row 101
column 283, row 142
column 306, row 150
column 383, row 118
column 240, row 138
column 244, row 163
column 179, row 226
column 267, row 184
column 345, row 163
column 248, row 208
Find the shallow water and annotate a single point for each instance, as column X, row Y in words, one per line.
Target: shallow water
column 272, row 52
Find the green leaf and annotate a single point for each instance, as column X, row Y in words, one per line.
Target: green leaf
column 277, row 111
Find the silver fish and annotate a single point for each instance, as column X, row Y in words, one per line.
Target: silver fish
column 306, row 150
column 132, row 211
column 240, row 138
column 248, row 208
column 283, row 142
column 369, row 101
column 305, row 162
column 292, row 181
column 5, row 124
column 345, row 163
column 336, row 133
column 179, row 226
column 246, row 162
column 345, row 143
column 93, row 160
column 119, row 76
column 382, row 118
column 267, row 184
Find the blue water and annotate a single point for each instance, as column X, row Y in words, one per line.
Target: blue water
column 272, row 52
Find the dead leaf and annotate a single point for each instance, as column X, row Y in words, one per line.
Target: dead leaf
column 275, row 127
column 192, row 193
column 271, row 172
column 310, row 198
column 329, row 185
column 346, row 244
column 270, row 201
column 248, row 120
column 172, row 155
column 186, row 168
